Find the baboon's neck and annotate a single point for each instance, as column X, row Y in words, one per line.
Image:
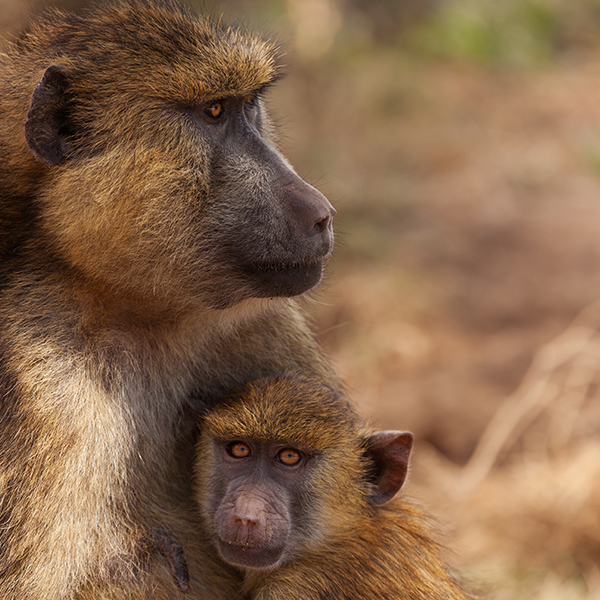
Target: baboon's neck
column 126, row 343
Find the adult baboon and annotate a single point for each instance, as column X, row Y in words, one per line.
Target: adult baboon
column 297, row 495
column 151, row 235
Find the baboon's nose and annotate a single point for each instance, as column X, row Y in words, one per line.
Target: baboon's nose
column 312, row 212
column 249, row 512
column 245, row 521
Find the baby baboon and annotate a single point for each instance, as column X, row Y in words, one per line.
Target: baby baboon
column 298, row 496
column 149, row 229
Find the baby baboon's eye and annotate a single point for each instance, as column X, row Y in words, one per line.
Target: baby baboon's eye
column 238, row 450
column 215, row 110
column 289, row 457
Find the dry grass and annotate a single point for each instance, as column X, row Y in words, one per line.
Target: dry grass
column 526, row 507
column 560, row 385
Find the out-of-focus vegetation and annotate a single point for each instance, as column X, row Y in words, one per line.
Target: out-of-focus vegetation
column 513, row 32
column 460, row 142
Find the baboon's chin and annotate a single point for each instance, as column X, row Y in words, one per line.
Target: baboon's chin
column 266, row 281
column 284, row 280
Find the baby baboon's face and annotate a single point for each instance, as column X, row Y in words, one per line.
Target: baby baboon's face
column 252, row 516
column 284, row 468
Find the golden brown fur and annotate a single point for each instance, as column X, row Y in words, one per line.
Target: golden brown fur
column 115, row 310
column 352, row 549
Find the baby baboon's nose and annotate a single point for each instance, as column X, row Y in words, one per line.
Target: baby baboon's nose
column 245, row 521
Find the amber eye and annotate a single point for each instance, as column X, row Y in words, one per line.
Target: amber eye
column 238, row 450
column 289, row 457
column 215, row 110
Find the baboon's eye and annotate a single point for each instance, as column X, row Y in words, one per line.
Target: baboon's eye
column 289, row 457
column 238, row 450
column 215, row 110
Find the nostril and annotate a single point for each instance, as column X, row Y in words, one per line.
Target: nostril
column 324, row 223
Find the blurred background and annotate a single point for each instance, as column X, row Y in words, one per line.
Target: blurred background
column 459, row 141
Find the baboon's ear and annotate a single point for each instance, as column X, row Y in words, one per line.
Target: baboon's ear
column 47, row 127
column 389, row 451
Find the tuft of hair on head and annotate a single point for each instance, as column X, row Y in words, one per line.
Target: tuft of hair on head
column 191, row 56
column 291, row 407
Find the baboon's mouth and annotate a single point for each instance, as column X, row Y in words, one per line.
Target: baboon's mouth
column 239, row 544
column 284, row 279
column 281, row 267
column 245, row 555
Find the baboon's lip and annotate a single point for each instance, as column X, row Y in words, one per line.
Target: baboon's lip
column 284, row 279
column 244, row 545
column 246, row 555
column 280, row 267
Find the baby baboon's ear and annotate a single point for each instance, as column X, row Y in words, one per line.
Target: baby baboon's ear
column 389, row 452
column 47, row 127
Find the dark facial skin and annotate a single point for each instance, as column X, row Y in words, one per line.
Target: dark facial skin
column 290, row 235
column 251, row 513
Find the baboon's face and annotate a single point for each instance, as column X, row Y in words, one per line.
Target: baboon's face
column 268, row 229
column 161, row 188
column 283, row 468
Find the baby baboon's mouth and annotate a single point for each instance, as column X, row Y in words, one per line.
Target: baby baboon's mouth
column 244, row 555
